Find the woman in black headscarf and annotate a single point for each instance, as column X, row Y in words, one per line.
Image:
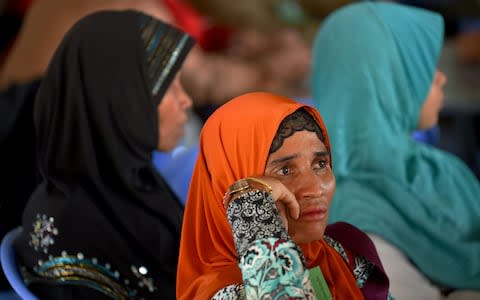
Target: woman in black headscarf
column 103, row 223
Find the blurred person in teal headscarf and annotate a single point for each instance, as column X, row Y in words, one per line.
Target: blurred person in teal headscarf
column 375, row 81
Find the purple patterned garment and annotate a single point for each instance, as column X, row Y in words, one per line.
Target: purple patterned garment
column 376, row 287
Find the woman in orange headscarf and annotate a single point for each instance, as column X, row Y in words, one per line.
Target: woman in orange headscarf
column 256, row 216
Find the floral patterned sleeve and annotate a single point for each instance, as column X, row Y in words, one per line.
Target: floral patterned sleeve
column 270, row 262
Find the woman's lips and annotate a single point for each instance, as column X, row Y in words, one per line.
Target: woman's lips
column 314, row 213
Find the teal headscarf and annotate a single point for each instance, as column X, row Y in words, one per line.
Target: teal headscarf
column 373, row 67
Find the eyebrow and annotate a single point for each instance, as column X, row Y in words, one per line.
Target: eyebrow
column 322, row 153
column 290, row 157
column 283, row 159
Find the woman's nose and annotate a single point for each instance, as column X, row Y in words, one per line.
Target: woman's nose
column 441, row 78
column 310, row 186
column 186, row 100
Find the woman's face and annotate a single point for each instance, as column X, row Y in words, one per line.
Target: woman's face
column 172, row 115
column 434, row 102
column 302, row 164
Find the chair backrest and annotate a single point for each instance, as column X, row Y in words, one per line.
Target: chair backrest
column 176, row 168
column 9, row 295
column 9, row 265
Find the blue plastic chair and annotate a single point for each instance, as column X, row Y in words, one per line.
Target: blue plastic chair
column 9, row 265
column 428, row 136
column 9, row 295
column 177, row 168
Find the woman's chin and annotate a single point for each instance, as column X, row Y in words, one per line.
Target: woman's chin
column 304, row 237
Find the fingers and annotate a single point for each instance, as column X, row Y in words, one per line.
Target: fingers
column 281, row 194
column 291, row 203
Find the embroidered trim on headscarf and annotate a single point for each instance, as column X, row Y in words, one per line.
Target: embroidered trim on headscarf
column 78, row 270
column 165, row 48
column 298, row 121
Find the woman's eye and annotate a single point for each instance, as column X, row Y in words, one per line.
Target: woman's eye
column 284, row 171
column 322, row 164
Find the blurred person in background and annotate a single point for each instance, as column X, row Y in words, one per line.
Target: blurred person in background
column 375, row 85
column 102, row 223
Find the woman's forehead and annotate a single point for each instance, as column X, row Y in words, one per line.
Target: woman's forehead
column 300, row 143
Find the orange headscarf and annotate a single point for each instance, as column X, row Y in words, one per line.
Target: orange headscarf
column 234, row 144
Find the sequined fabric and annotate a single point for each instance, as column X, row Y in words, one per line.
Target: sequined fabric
column 43, row 234
column 89, row 272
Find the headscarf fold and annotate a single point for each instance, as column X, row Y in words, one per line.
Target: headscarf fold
column 373, row 67
column 234, row 144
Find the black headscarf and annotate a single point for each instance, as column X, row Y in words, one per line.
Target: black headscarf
column 101, row 202
column 19, row 174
